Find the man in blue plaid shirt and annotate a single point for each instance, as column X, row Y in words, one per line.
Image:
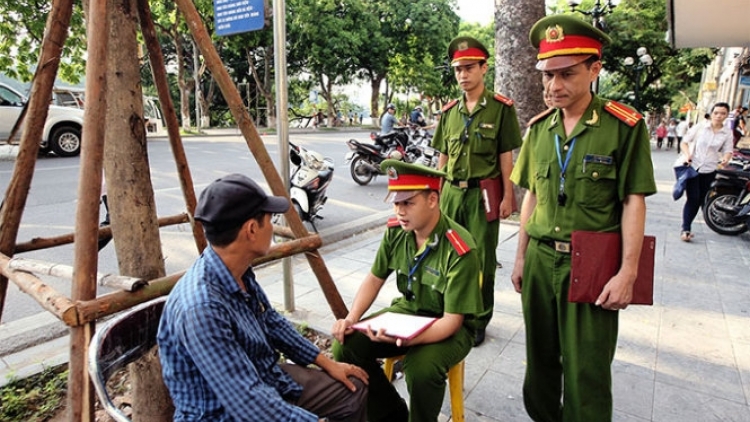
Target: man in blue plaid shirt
column 220, row 338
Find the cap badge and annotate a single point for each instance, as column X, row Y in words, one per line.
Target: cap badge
column 554, row 34
column 463, row 45
column 392, row 173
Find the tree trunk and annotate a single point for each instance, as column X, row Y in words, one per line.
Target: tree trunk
column 130, row 193
column 182, row 83
column 374, row 97
column 515, row 59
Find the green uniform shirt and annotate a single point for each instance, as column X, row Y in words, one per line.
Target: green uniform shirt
column 443, row 280
column 609, row 160
column 474, row 141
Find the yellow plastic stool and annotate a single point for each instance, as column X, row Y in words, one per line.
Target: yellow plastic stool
column 455, row 385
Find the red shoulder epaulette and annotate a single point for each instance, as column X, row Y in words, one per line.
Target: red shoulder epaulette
column 540, row 116
column 629, row 116
column 449, row 105
column 503, row 99
column 458, row 244
column 393, row 222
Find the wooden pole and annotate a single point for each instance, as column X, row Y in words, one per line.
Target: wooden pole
column 255, row 143
column 50, row 299
column 91, row 310
column 104, row 233
column 158, row 70
column 11, row 211
column 80, row 393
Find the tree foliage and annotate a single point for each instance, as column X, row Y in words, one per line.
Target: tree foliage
column 22, row 25
column 643, row 23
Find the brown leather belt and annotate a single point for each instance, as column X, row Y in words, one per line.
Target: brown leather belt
column 562, row 247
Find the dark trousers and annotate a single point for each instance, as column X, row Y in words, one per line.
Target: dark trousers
column 695, row 191
column 326, row 397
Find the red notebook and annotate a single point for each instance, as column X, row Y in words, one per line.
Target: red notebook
column 596, row 257
column 403, row 326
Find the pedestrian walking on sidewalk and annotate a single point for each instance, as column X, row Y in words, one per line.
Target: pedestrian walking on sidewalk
column 661, row 133
column 704, row 148
column 587, row 166
column 438, row 273
column 476, row 137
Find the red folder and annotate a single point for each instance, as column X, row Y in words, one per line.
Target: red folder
column 492, row 195
column 596, row 258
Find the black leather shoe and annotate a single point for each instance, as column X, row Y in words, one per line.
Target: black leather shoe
column 479, row 339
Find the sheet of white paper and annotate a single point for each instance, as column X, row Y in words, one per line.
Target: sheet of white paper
column 396, row 325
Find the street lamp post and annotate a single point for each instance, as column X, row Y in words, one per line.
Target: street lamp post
column 597, row 13
column 644, row 60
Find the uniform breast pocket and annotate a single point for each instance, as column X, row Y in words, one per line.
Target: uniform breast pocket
column 542, row 182
column 432, row 287
column 486, row 141
column 596, row 186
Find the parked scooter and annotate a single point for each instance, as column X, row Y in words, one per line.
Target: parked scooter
column 365, row 159
column 311, row 175
column 422, row 140
column 727, row 205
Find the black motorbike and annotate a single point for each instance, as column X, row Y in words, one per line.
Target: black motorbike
column 726, row 209
column 364, row 159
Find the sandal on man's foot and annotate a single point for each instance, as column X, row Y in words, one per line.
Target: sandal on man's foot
column 686, row 236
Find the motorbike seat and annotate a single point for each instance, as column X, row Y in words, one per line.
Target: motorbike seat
column 740, row 174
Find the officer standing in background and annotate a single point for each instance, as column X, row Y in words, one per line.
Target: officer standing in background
column 476, row 136
column 587, row 166
column 437, row 272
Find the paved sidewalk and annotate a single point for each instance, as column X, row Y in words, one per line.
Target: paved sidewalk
column 687, row 358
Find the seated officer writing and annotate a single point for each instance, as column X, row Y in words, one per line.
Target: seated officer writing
column 220, row 338
column 438, row 271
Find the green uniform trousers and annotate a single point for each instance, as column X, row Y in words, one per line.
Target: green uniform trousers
column 425, row 366
column 569, row 346
column 466, row 207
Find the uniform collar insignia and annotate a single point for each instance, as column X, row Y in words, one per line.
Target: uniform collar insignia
column 484, row 101
column 553, row 122
column 594, row 118
column 554, row 34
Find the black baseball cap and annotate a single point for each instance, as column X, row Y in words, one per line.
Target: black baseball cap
column 231, row 200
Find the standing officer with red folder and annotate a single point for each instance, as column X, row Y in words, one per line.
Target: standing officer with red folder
column 476, row 137
column 586, row 163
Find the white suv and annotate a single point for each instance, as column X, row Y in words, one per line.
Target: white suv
column 62, row 130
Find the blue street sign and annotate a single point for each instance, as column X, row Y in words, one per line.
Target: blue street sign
column 235, row 16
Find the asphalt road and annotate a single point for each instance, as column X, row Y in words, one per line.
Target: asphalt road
column 51, row 205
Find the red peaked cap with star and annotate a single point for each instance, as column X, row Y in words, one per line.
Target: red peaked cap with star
column 463, row 49
column 564, row 41
column 405, row 180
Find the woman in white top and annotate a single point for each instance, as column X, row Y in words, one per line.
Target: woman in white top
column 706, row 147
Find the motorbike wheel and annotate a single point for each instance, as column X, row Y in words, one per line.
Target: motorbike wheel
column 721, row 221
column 360, row 173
